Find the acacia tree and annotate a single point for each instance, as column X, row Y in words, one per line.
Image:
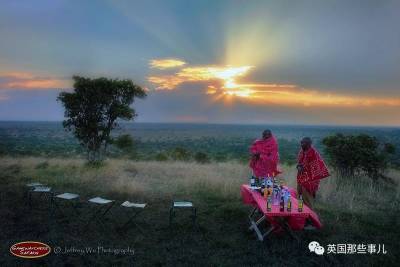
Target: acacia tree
column 93, row 108
column 351, row 155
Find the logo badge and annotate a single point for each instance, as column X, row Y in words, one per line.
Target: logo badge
column 30, row 249
column 315, row 247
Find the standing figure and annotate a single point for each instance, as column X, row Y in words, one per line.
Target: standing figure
column 310, row 170
column 264, row 155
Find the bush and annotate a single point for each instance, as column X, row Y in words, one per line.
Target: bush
column 201, row 157
column 126, row 144
column 180, row 153
column 42, row 165
column 353, row 155
column 161, row 157
column 221, row 157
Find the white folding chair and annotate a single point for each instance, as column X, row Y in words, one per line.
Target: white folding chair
column 103, row 207
column 182, row 205
column 41, row 191
column 65, row 198
column 34, row 184
column 136, row 208
column 30, row 187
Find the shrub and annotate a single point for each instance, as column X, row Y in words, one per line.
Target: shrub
column 161, row 157
column 42, row 165
column 201, row 157
column 221, row 157
column 126, row 144
column 180, row 153
column 352, row 155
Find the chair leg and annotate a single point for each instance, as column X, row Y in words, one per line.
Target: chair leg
column 171, row 214
column 130, row 220
column 75, row 208
column 30, row 199
column 53, row 206
column 194, row 215
column 93, row 217
column 108, row 209
column 98, row 215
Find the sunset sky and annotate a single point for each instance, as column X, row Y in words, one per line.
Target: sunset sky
column 289, row 62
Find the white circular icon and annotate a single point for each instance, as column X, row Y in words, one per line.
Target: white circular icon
column 319, row 250
column 313, row 245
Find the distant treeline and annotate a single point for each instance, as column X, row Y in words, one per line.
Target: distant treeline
column 187, row 149
column 177, row 141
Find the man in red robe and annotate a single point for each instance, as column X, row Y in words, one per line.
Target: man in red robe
column 311, row 169
column 265, row 156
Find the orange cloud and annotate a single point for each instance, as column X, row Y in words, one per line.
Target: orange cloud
column 165, row 82
column 37, row 84
column 166, row 63
column 198, row 74
column 28, row 81
column 222, row 83
column 190, row 118
column 17, row 75
column 316, row 98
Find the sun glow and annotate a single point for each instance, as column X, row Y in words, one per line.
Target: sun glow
column 223, row 83
column 226, row 75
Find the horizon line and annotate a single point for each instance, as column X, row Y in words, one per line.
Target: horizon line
column 226, row 123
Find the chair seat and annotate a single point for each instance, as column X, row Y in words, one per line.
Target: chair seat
column 41, row 189
column 35, row 184
column 183, row 204
column 67, row 196
column 100, row 200
column 128, row 204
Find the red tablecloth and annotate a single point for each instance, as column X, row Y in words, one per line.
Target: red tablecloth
column 295, row 219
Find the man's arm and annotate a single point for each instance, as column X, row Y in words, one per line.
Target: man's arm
column 300, row 168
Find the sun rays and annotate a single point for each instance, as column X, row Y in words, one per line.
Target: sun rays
column 224, row 83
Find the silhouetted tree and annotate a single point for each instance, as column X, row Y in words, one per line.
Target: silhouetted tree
column 93, row 108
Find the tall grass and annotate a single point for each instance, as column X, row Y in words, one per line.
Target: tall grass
column 158, row 179
column 352, row 210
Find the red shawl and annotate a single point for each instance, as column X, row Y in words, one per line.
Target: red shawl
column 267, row 161
column 314, row 169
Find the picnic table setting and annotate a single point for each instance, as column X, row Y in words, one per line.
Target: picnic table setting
column 276, row 208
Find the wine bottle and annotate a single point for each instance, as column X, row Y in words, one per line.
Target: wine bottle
column 300, row 203
column 282, row 204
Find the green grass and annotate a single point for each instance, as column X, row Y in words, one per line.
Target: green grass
column 352, row 212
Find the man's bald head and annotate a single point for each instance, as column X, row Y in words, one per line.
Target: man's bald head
column 266, row 134
column 306, row 143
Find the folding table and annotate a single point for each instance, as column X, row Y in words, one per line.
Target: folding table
column 275, row 219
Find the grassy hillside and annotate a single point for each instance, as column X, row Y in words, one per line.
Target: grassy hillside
column 351, row 211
